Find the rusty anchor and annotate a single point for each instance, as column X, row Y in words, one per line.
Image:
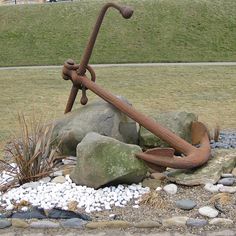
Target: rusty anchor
column 157, row 158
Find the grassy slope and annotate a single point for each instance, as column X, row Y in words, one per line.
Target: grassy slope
column 160, row 30
column 210, row 92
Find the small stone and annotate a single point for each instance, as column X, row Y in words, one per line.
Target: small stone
column 30, row 214
column 147, row 224
column 59, row 179
column 158, row 189
column 44, row 224
column 227, row 181
column 170, row 189
column 108, row 224
column 57, row 173
column 18, row 223
column 4, row 223
column 228, row 175
column 151, row 183
column 227, row 189
column 157, row 175
column 45, row 179
column 212, row 188
column 70, row 160
column 56, row 213
column 208, row 211
column 24, row 208
column 196, row 222
column 112, row 216
column 6, row 215
column 175, row 221
column 234, row 172
column 72, row 205
column 220, row 221
column 74, row 223
column 32, row 185
column 185, row 204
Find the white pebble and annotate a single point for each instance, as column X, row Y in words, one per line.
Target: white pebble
column 208, row 211
column 158, row 189
column 227, row 189
column 170, row 189
column 212, row 188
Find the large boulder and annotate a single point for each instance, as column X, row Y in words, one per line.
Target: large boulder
column 103, row 160
column 222, row 161
column 178, row 122
column 99, row 117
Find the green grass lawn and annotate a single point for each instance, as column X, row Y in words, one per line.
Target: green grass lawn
column 209, row 91
column 159, row 31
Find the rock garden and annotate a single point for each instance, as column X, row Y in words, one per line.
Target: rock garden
column 81, row 173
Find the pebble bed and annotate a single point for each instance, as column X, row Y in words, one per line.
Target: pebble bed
column 50, row 195
column 47, row 195
column 227, row 139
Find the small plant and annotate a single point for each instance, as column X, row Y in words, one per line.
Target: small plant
column 32, row 152
column 216, row 133
column 155, row 199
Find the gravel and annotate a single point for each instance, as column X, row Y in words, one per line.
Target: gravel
column 227, row 139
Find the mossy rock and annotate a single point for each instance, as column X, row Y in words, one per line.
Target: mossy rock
column 103, row 160
column 179, row 122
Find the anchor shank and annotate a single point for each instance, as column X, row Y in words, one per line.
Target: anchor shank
column 126, row 12
column 175, row 141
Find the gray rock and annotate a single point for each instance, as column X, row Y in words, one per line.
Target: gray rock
column 208, row 211
column 227, row 181
column 103, row 160
column 30, row 214
column 196, row 222
column 185, row 204
column 57, row 213
column 222, row 160
column 74, row 223
column 99, row 117
column 4, row 223
column 178, row 122
column 44, row 224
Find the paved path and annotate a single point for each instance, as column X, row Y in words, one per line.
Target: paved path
column 134, row 65
column 107, row 232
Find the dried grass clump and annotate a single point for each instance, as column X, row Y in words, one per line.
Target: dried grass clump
column 221, row 198
column 31, row 152
column 155, row 199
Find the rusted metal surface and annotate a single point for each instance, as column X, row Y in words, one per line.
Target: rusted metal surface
column 193, row 156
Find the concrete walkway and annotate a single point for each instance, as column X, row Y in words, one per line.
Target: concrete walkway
column 110, row 232
column 134, row 65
